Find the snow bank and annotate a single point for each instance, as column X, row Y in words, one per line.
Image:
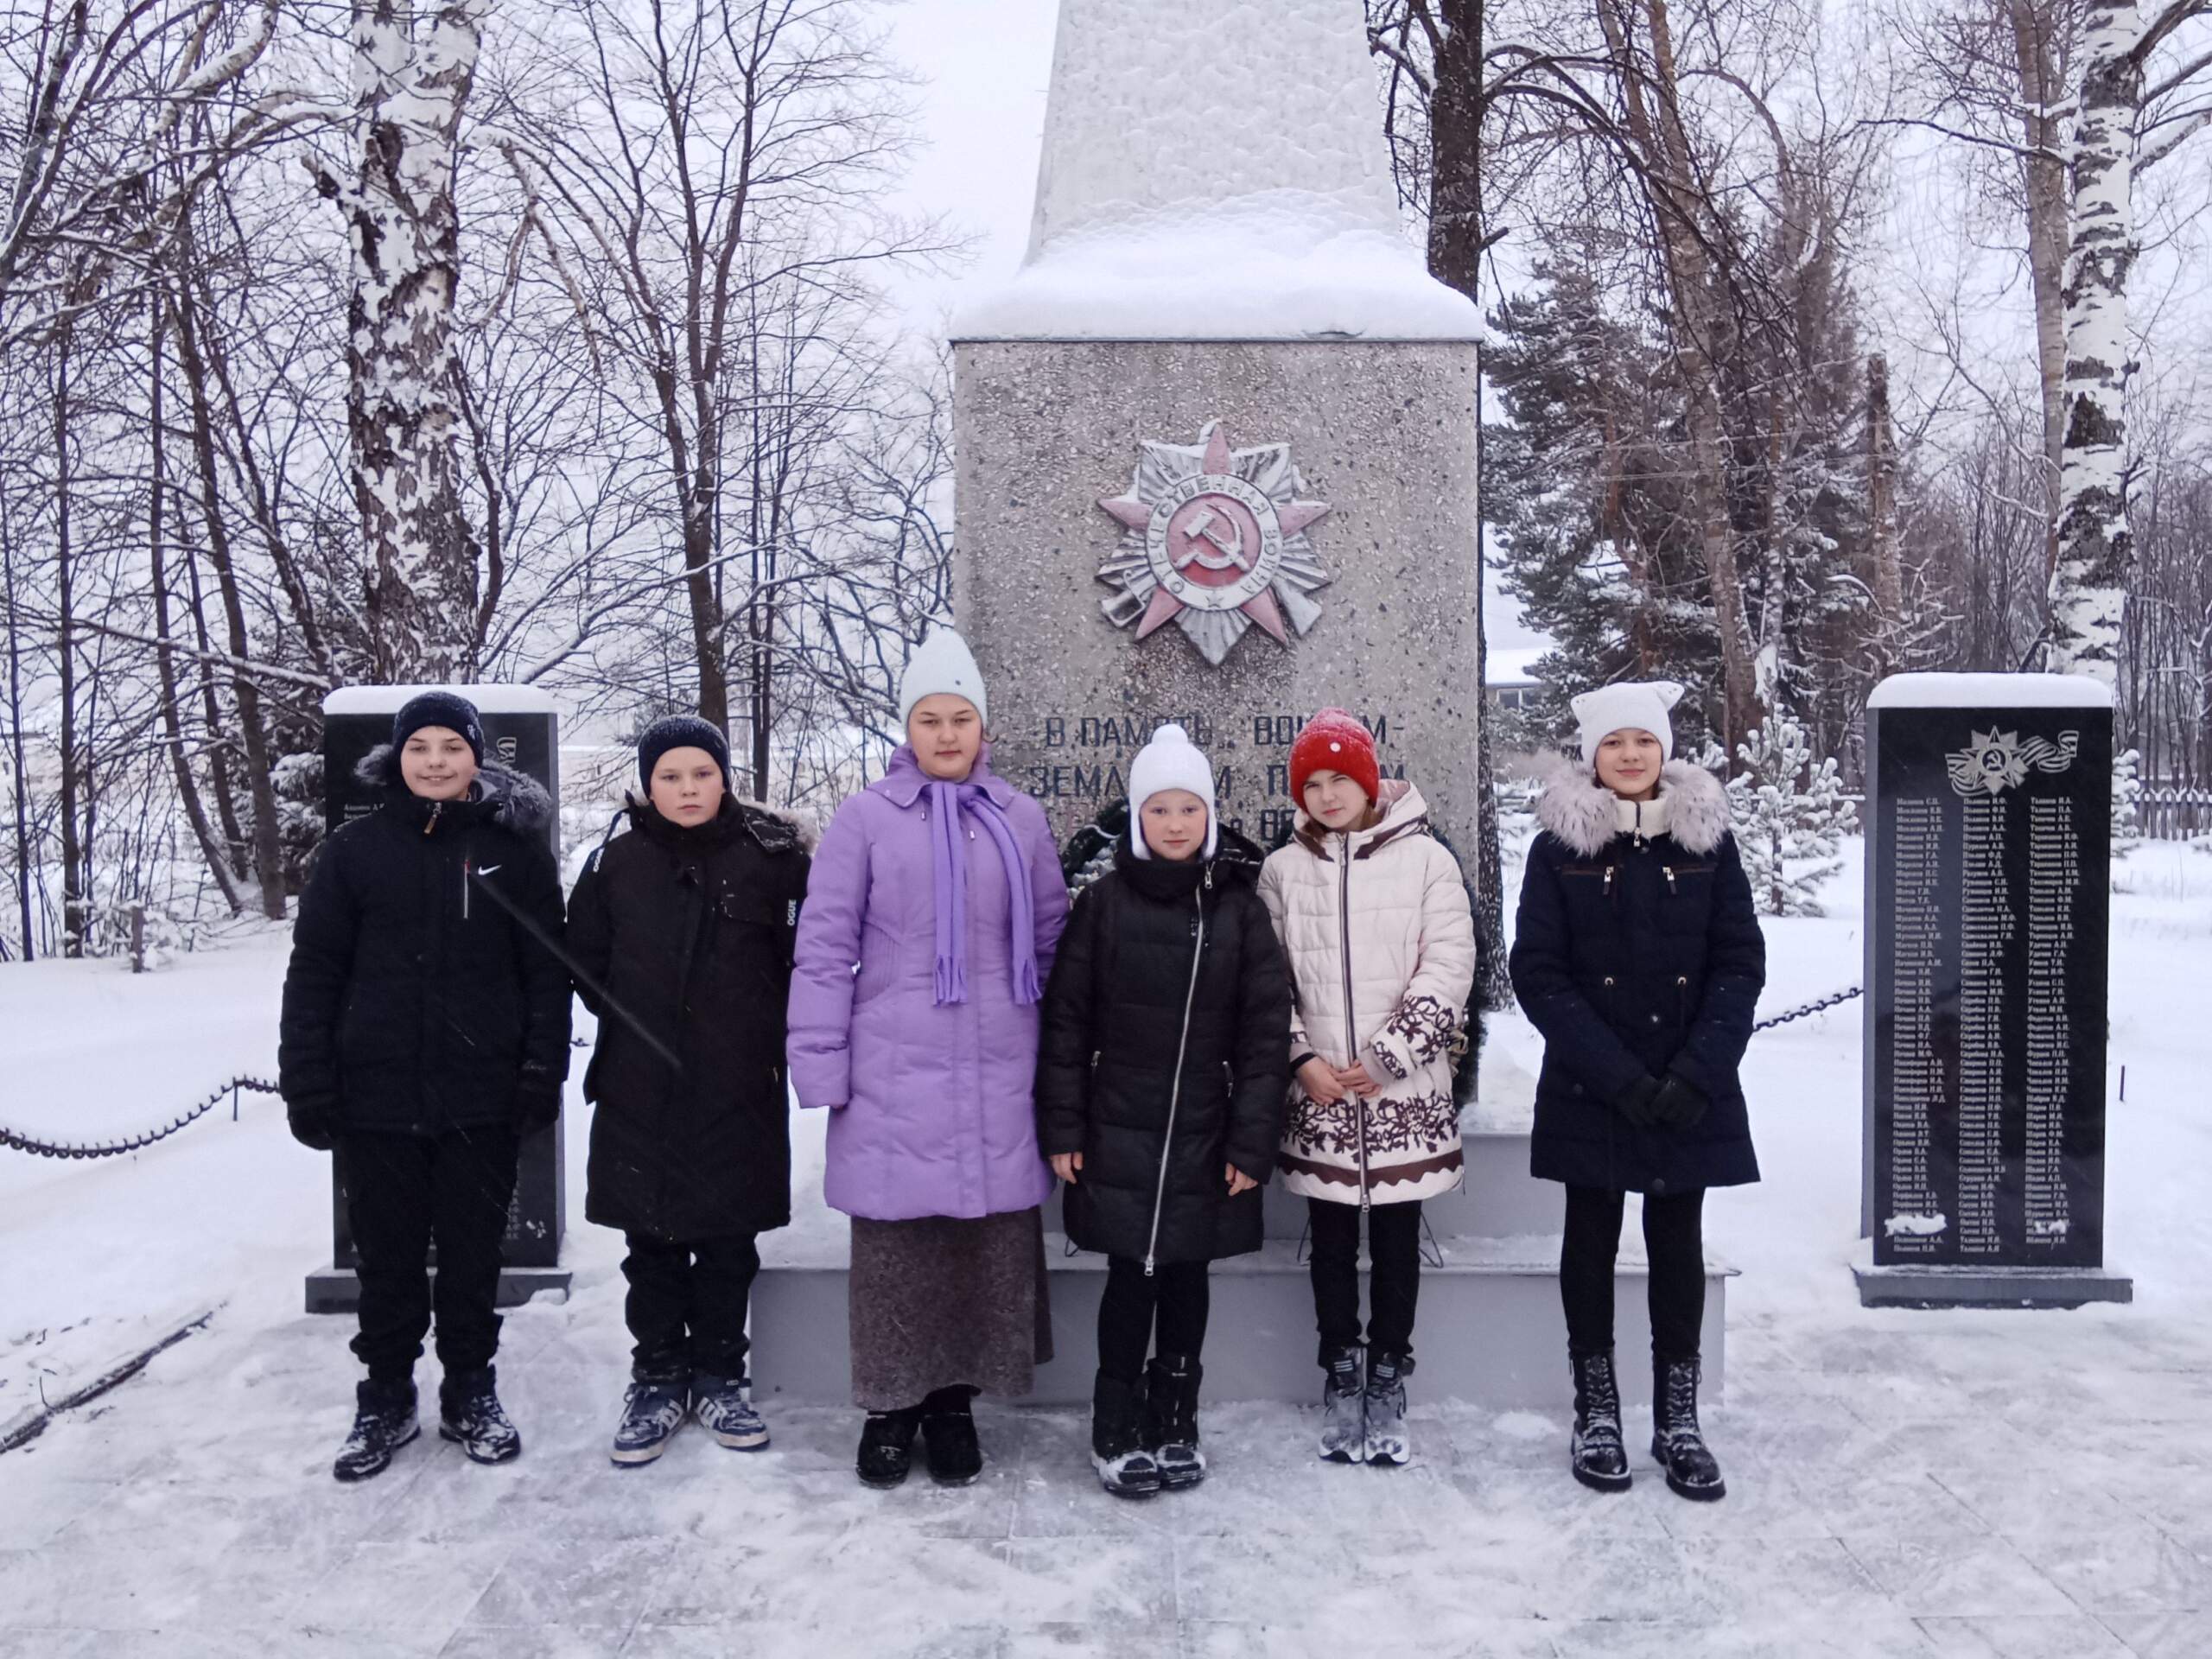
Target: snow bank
column 1215, row 169
column 1991, row 691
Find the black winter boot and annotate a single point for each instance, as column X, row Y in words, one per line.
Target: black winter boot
column 1676, row 1441
column 949, row 1437
column 1172, row 1401
column 1596, row 1455
column 469, row 1415
column 1344, row 1407
column 1126, row 1465
column 1389, row 1439
column 383, row 1420
column 887, row 1446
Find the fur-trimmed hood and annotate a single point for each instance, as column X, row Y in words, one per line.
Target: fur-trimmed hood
column 1580, row 811
column 513, row 799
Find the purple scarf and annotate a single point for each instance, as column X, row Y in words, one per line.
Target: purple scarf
column 950, row 866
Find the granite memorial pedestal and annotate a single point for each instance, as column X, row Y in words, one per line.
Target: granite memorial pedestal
column 1987, row 882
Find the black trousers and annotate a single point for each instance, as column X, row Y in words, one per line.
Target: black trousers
column 403, row 1194
column 687, row 1303
column 1393, row 1288
column 1175, row 1300
column 1673, row 1239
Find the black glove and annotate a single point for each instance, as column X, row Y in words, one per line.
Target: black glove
column 1634, row 1103
column 1679, row 1104
column 538, row 1103
column 314, row 1123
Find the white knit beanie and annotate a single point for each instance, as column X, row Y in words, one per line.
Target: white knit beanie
column 1171, row 760
column 1637, row 705
column 941, row 663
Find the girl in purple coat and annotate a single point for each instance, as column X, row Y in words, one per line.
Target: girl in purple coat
column 931, row 913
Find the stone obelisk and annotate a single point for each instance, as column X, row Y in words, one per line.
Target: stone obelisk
column 1217, row 437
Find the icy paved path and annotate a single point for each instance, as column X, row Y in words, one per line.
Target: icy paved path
column 1883, row 1502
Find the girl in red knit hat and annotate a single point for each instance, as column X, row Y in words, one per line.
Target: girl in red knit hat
column 1372, row 913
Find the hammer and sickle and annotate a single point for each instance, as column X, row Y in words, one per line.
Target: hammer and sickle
column 1231, row 546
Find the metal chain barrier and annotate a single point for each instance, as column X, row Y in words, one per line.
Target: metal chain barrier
column 16, row 1141
column 1834, row 999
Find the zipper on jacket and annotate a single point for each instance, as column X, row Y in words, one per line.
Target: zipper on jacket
column 1608, row 881
column 431, row 822
column 1671, row 888
column 1351, row 1018
column 1681, row 1002
column 1175, row 1091
column 464, row 887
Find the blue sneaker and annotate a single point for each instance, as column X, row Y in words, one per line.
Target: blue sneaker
column 721, row 1405
column 651, row 1413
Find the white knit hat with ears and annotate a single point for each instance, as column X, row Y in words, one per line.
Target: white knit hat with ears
column 942, row 663
column 1637, row 705
column 1171, row 760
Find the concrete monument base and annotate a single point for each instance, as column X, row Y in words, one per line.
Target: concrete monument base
column 338, row 1290
column 1490, row 1330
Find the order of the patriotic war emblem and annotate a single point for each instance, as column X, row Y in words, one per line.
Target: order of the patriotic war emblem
column 1213, row 539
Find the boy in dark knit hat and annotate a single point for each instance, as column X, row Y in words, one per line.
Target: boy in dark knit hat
column 425, row 1032
column 682, row 931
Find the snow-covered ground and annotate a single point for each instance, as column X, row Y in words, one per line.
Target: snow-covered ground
column 1901, row 1483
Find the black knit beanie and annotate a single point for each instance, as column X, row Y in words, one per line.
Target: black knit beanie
column 439, row 709
column 680, row 732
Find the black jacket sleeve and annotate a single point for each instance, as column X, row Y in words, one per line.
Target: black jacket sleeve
column 1543, row 978
column 1263, row 1065
column 544, row 975
column 591, row 933
column 323, row 938
column 1735, row 973
column 1064, row 1037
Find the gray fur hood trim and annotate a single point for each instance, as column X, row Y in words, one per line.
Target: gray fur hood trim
column 517, row 801
column 1578, row 809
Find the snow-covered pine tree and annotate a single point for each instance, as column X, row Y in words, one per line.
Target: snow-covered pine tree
column 1791, row 812
column 2127, row 794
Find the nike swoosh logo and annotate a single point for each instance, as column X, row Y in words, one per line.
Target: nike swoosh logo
column 491, row 869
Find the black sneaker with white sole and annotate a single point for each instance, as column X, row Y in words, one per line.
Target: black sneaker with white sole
column 383, row 1420
column 470, row 1416
column 651, row 1413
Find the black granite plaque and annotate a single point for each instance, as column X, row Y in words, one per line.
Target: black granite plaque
column 1987, row 890
column 524, row 741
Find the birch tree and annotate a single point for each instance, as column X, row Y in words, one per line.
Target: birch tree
column 412, row 74
column 2089, row 583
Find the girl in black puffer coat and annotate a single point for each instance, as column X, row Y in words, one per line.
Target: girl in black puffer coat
column 682, row 931
column 1162, row 1072
column 1637, row 954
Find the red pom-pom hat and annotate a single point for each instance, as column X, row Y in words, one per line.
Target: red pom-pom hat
column 1334, row 740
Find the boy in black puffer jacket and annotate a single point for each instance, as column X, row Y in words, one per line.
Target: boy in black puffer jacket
column 682, row 932
column 425, row 1032
column 1162, row 1072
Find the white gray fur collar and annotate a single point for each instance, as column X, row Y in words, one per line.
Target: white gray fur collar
column 1578, row 809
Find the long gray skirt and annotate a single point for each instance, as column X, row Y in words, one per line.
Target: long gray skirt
column 940, row 1301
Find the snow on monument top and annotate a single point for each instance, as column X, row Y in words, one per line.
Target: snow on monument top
column 1991, row 691
column 1215, row 169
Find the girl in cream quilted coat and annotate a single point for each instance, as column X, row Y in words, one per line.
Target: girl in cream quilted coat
column 1372, row 912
